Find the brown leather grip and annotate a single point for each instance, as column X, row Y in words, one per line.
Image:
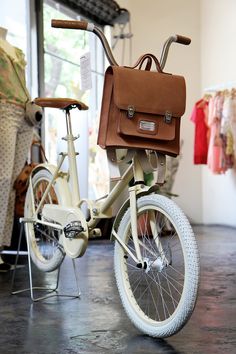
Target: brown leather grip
column 82, row 25
column 183, row 40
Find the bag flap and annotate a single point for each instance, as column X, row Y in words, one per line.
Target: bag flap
column 152, row 127
column 149, row 91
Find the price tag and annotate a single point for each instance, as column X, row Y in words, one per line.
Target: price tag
column 85, row 72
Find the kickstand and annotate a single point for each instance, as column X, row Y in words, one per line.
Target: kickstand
column 50, row 291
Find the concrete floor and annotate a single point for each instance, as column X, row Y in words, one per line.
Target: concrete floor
column 96, row 323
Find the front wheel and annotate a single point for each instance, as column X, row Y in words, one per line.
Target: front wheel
column 44, row 241
column 160, row 297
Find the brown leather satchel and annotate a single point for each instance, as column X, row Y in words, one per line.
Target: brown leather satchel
column 142, row 108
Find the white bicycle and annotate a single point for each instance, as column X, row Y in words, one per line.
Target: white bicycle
column 156, row 259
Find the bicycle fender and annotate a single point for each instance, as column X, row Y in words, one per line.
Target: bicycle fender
column 47, row 166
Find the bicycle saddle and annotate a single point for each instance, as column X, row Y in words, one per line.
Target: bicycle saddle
column 62, row 103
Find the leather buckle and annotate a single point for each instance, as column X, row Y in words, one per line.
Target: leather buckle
column 168, row 117
column 130, row 112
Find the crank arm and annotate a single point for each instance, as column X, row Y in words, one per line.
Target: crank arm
column 42, row 222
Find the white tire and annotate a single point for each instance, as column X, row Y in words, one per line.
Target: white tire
column 160, row 297
column 45, row 249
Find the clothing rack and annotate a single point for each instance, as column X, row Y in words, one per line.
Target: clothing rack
column 215, row 138
column 220, row 87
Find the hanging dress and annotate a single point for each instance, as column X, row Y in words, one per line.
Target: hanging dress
column 232, row 123
column 199, row 118
column 226, row 133
column 215, row 150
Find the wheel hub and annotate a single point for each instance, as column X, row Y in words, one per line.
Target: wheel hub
column 158, row 264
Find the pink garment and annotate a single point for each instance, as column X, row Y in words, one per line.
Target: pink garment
column 215, row 149
column 226, row 131
column 232, row 121
column 198, row 117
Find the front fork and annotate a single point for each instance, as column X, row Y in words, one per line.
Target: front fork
column 134, row 224
column 133, row 192
column 155, row 230
column 138, row 178
column 138, row 175
column 136, row 253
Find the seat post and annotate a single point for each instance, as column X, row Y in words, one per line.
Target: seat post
column 73, row 174
column 68, row 122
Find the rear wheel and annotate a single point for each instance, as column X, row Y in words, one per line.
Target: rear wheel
column 160, row 297
column 44, row 241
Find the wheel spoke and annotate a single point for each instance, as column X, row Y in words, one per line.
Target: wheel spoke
column 173, row 268
column 173, row 280
column 161, row 288
column 153, row 299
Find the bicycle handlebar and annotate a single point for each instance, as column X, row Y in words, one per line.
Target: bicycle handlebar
column 82, row 25
column 182, row 40
column 87, row 26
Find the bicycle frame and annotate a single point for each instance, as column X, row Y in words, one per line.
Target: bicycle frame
column 98, row 209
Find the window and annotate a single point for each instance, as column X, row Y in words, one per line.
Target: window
column 62, row 51
column 13, row 17
column 61, row 78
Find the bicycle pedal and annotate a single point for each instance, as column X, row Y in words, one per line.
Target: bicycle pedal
column 73, row 229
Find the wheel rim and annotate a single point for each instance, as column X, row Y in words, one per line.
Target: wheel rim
column 44, row 239
column 156, row 290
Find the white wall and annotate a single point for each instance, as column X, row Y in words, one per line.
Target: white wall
column 218, row 66
column 209, row 61
column 153, row 21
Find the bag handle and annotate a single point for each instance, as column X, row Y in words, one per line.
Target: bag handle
column 150, row 58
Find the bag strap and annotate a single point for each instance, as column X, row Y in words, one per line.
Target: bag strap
column 42, row 156
column 153, row 161
column 150, row 58
column 113, row 161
